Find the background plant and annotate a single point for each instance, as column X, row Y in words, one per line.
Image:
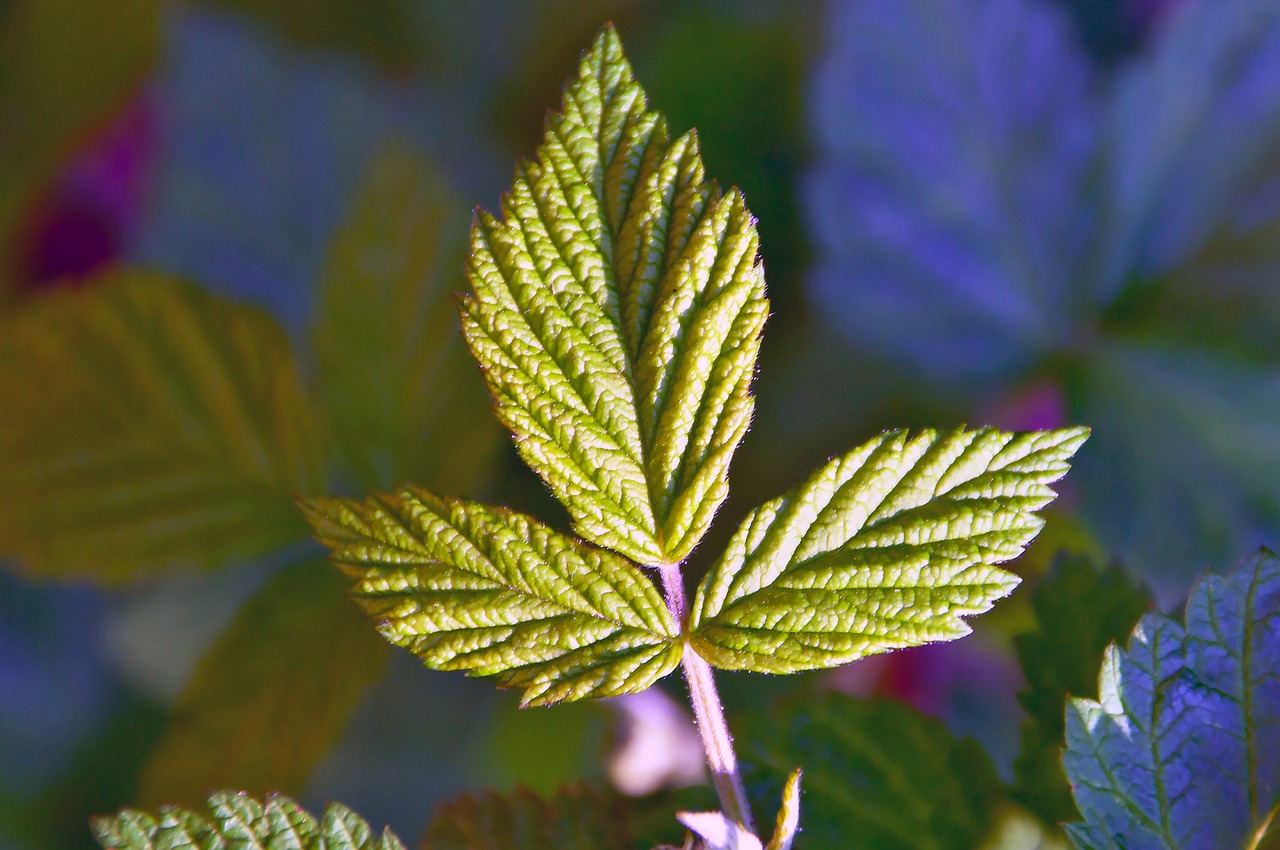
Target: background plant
column 237, row 180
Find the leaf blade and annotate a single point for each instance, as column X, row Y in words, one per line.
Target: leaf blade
column 271, row 695
column 888, row 546
column 1179, row 749
column 398, row 385
column 237, row 820
column 152, row 426
column 616, row 311
column 494, row 593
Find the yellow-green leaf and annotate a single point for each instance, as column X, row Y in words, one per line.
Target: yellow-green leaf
column 617, row 311
column 404, row 398
column 148, row 426
column 886, row 547
column 272, row 695
column 470, row 587
column 239, row 821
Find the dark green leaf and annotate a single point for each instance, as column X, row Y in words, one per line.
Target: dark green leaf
column 876, row 775
column 1079, row 610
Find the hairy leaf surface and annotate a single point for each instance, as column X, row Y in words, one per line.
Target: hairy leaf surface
column 470, row 587
column 874, row 770
column 886, row 547
column 237, row 820
column 1079, row 610
column 402, row 392
column 1182, row 748
column 616, row 312
column 148, row 425
column 271, row 696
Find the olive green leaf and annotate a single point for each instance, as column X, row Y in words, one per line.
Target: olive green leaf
column 237, row 820
column 481, row 589
column 886, row 547
column 576, row 817
column 148, row 425
column 273, row 693
column 616, row 312
column 402, row 394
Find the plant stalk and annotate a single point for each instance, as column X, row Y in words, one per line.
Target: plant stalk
column 708, row 713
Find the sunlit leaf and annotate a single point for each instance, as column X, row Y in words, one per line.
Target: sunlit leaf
column 272, row 695
column 237, row 820
column 876, row 774
column 616, row 312
column 1079, row 610
column 886, row 547
column 404, row 397
column 1182, row 748
column 148, row 425
column 469, row 587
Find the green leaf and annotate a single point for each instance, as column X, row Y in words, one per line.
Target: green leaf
column 64, row 65
column 148, row 426
column 1182, row 748
column 575, row 818
column 886, row 547
column 1079, row 610
column 876, row 774
column 617, row 312
column 237, row 820
column 402, row 393
column 271, row 695
column 470, row 587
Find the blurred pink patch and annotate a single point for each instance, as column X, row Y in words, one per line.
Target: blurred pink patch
column 91, row 210
column 1037, row 406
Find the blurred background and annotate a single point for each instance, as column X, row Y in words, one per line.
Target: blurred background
column 228, row 231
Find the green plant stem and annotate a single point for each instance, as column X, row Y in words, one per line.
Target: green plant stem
column 708, row 713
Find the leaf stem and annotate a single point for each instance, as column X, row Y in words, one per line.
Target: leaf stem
column 708, row 711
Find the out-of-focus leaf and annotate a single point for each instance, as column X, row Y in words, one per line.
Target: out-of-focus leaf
column 148, row 425
column 64, row 65
column 381, row 30
column 1079, row 610
column 946, row 200
column 1193, row 129
column 264, row 146
column 886, row 547
column 575, row 818
column 875, row 772
column 272, row 694
column 617, row 311
column 470, row 587
column 1182, row 748
column 238, row 820
column 1185, row 449
column 405, row 398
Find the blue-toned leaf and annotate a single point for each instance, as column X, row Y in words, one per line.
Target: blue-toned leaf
column 1193, row 132
column 1181, row 751
column 946, row 201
